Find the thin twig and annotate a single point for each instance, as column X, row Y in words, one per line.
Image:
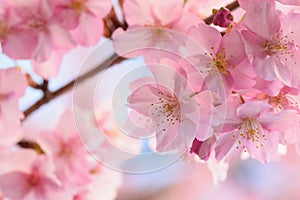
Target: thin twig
column 112, row 60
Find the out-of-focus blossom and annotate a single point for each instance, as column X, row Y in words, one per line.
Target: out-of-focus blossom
column 160, row 18
column 36, row 33
column 105, row 183
column 83, row 18
column 12, row 87
column 64, row 148
column 34, row 180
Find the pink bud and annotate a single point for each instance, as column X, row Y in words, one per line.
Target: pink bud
column 222, row 17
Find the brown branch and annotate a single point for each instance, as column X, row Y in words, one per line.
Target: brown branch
column 232, row 6
column 30, row 145
column 112, row 60
column 48, row 96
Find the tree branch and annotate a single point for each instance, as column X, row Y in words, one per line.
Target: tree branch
column 48, row 95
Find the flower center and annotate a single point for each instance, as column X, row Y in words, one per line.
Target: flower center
column 250, row 130
column 65, row 150
column 37, row 23
column 217, row 64
column 221, row 63
column 280, row 46
column 79, row 6
column 281, row 101
column 33, row 180
column 167, row 108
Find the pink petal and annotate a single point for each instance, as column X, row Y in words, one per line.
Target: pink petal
column 225, row 148
column 84, row 37
column 12, row 76
column 206, row 37
column 142, row 98
column 288, row 70
column 99, row 8
column 15, row 161
column 243, row 75
column 285, row 120
column 268, row 152
column 290, row 27
column 50, row 67
column 266, row 68
column 237, row 54
column 185, row 22
column 137, row 12
column 15, row 185
column 225, row 117
column 167, row 12
column 283, row 72
column 271, row 88
column 25, row 42
column 263, row 18
column 205, row 112
column 43, row 49
column 252, row 109
column 290, row 2
column 146, row 40
column 253, row 46
column 60, row 38
column 66, row 125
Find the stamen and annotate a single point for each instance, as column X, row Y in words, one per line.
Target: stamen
column 218, row 63
column 167, row 107
column 249, row 130
column 79, row 6
column 281, row 46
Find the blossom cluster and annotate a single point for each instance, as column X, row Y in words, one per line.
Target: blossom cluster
column 223, row 91
column 43, row 31
column 216, row 92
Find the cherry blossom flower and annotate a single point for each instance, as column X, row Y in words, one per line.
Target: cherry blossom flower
column 83, row 18
column 12, row 87
column 25, row 42
column 64, row 148
column 35, row 179
column 252, row 127
column 222, row 66
column 272, row 42
column 105, row 183
column 166, row 14
column 37, row 33
column 287, row 98
column 159, row 19
column 175, row 111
